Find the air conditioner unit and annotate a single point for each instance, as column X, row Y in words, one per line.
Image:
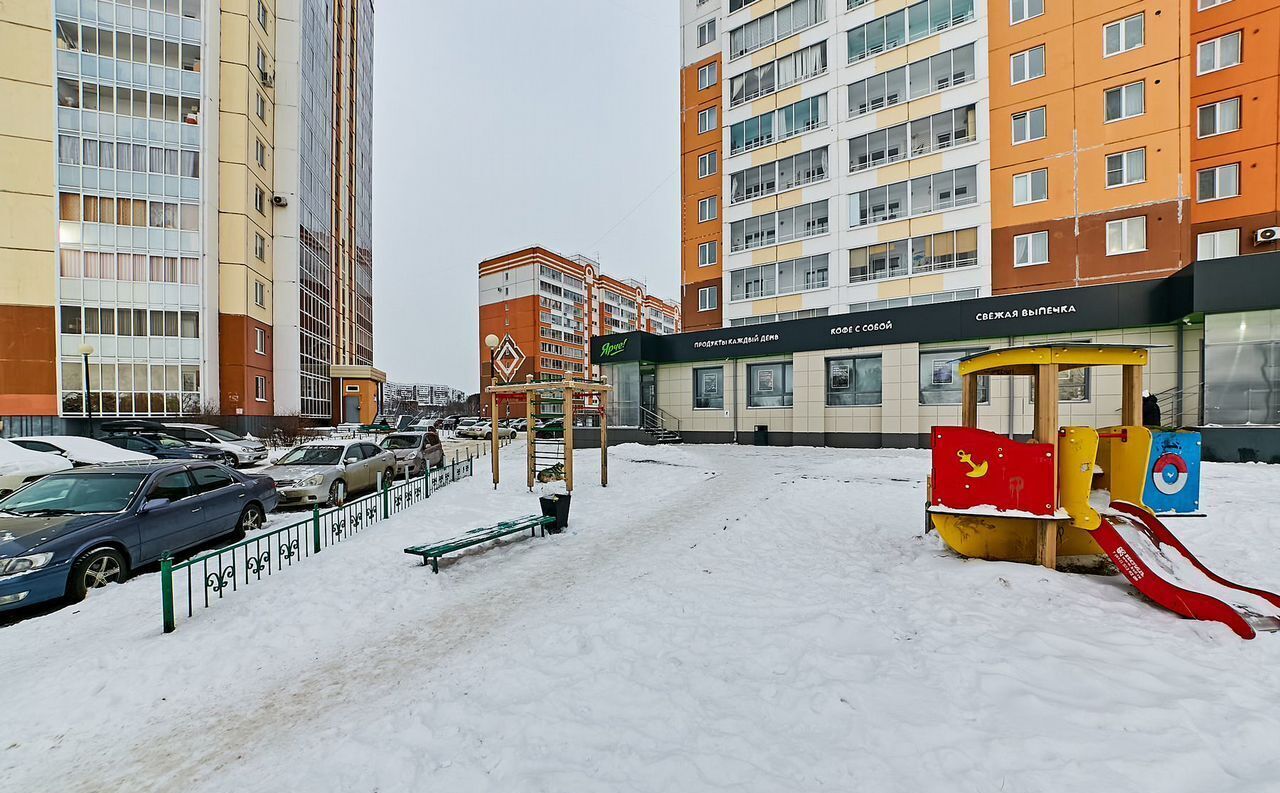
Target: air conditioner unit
column 1269, row 234
column 279, row 201
column 268, row 79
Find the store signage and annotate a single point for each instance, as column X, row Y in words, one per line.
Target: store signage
column 613, row 349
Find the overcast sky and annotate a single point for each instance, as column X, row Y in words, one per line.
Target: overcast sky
column 504, row 124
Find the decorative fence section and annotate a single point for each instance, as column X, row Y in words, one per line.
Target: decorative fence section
column 207, row 578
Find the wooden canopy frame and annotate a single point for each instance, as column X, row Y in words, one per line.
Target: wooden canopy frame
column 1042, row 363
column 569, row 389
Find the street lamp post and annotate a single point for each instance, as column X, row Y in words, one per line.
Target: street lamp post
column 85, row 351
column 492, row 341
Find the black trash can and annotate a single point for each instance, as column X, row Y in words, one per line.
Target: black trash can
column 556, row 506
column 762, row 435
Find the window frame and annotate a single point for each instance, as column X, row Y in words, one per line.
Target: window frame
column 714, row 247
column 1214, row 236
column 259, row 341
column 1122, row 224
column 1029, row 236
column 787, row 395
column 712, row 298
column 711, row 117
column 1217, row 49
column 708, row 209
column 259, row 388
column 852, row 388
column 1141, row 16
column 1029, row 176
column 984, row 381
column 1025, row 4
column 1044, row 64
column 1122, row 89
column 708, row 75
column 1217, row 117
column 1124, row 168
column 708, row 164
column 697, row 381
column 706, row 32
column 1217, row 169
column 1026, row 115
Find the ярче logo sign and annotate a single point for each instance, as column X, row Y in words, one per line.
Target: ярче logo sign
column 610, row 349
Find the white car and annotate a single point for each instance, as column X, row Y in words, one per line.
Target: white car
column 484, row 429
column 18, row 466
column 80, row 450
column 239, row 450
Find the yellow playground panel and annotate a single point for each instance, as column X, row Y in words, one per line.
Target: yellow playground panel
column 1039, row 500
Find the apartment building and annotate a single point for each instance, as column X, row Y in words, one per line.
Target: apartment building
column 406, row 398
column 898, row 185
column 545, row 308
column 160, row 158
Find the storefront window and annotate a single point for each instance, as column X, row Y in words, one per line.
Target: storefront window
column 624, row 402
column 1242, row 368
column 853, row 381
column 708, row 388
column 769, row 385
column 940, row 377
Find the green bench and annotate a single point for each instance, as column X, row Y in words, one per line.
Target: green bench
column 431, row 553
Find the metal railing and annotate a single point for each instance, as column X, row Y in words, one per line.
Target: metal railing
column 208, row 578
column 658, row 419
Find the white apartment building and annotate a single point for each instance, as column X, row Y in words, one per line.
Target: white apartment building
column 854, row 168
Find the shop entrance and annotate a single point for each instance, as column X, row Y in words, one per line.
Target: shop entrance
column 648, row 395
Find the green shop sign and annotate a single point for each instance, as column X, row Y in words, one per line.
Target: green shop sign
column 610, row 349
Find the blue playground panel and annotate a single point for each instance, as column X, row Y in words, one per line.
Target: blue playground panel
column 1173, row 473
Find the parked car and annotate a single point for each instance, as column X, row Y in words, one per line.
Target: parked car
column 447, row 423
column 463, row 423
column 167, row 447
column 326, row 472
column 80, row 450
column 78, row 530
column 347, row 428
column 484, row 429
column 520, row 425
column 551, row 428
column 416, row 452
column 245, row 451
column 18, row 466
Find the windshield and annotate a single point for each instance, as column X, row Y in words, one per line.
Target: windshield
column 75, row 494
column 398, row 442
column 223, row 435
column 312, row 455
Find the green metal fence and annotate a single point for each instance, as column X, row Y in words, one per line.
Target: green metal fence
column 206, row 579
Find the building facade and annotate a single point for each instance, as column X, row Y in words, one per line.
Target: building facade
column 545, row 308
column 157, row 158
column 413, row 398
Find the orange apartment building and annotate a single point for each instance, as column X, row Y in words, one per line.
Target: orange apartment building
column 545, row 308
column 701, row 195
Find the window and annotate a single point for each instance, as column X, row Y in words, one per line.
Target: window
column 262, row 107
column 708, row 388
column 775, row 177
column 707, row 164
column 854, row 381
column 260, row 341
column 1220, row 182
column 784, row 22
column 1029, row 126
column 190, row 324
column 72, row 320
column 259, row 247
column 707, row 120
column 260, row 153
column 910, row 24
column 1218, row 244
column 260, row 294
column 1218, row 118
column 1022, row 10
column 919, row 196
column 1127, row 34
column 259, row 200
column 708, row 209
column 1126, row 236
column 767, row 78
column 928, row 253
column 708, row 298
column 1204, row 5
column 262, row 14
column 708, row 253
column 769, row 385
column 1031, row 249
column 262, row 62
column 780, row 278
column 940, row 378
column 1028, row 188
column 794, row 119
column 706, row 32
column 806, row 220
column 210, row 479
column 1220, row 53
column 174, row 487
column 1125, row 101
column 260, row 388
column 1126, row 168
column 708, row 75
column 1026, row 65
column 922, row 136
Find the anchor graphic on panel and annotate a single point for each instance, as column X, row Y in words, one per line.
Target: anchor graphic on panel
column 976, row 470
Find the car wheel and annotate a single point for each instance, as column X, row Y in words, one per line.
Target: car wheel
column 338, row 493
column 388, row 477
column 488, row 436
column 96, row 569
column 251, row 519
column 230, row 460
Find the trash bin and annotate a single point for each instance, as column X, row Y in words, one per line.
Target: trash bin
column 556, row 506
column 762, row 435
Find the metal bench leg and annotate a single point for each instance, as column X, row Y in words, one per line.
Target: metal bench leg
column 435, row 565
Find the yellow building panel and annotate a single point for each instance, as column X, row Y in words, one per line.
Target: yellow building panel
column 235, row 89
column 930, row 45
column 764, row 105
column 923, row 166
column 235, row 46
column 890, row 60
column 233, row 289
column 790, row 199
column 898, row 172
column 789, row 303
column 928, row 224
column 890, row 116
column 233, row 244
column 925, row 284
column 26, row 166
column 764, row 255
column 764, row 205
column 24, row 51
column 27, row 222
column 789, row 147
column 764, row 154
column 235, row 195
column 27, row 276
column 27, row 109
column 924, row 106
column 899, row 230
column 787, row 46
column 233, row 145
column 762, row 8
column 888, row 290
column 763, row 56
column 792, row 250
column 789, row 96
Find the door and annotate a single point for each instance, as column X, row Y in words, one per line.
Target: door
column 179, row 524
column 377, row 462
column 648, row 396
column 224, row 499
column 351, row 409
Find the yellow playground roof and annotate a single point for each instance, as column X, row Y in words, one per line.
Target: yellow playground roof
column 1024, row 360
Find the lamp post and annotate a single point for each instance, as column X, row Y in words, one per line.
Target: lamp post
column 85, row 351
column 491, row 341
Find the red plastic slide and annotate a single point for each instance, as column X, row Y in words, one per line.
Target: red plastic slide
column 1164, row 570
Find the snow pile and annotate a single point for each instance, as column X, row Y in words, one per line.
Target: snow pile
column 718, row 618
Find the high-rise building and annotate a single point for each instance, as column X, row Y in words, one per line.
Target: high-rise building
column 191, row 208
column 544, row 308
column 411, row 398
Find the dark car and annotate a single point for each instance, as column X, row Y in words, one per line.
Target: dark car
column 552, row 428
column 85, row 528
column 167, row 447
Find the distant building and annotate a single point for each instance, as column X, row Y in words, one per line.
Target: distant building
column 400, row 398
column 545, row 308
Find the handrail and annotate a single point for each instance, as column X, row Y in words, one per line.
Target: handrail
column 659, row 417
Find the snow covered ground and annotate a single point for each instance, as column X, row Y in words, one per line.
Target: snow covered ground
column 719, row 618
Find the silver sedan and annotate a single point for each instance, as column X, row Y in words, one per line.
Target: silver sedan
column 326, row 472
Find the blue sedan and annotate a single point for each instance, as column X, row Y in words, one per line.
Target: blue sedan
column 85, row 528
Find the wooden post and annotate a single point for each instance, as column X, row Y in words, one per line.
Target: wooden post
column 493, row 462
column 568, row 435
column 530, row 408
column 1131, row 396
column 969, row 401
column 1046, row 431
column 604, row 438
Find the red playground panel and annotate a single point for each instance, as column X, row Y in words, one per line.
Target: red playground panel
column 975, row 468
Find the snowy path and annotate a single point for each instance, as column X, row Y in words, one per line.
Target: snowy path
column 717, row 619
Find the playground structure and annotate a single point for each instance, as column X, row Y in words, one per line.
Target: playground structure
column 1080, row 492
column 549, row 452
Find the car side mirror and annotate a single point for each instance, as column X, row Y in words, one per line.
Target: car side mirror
column 350, row 460
column 152, row 504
